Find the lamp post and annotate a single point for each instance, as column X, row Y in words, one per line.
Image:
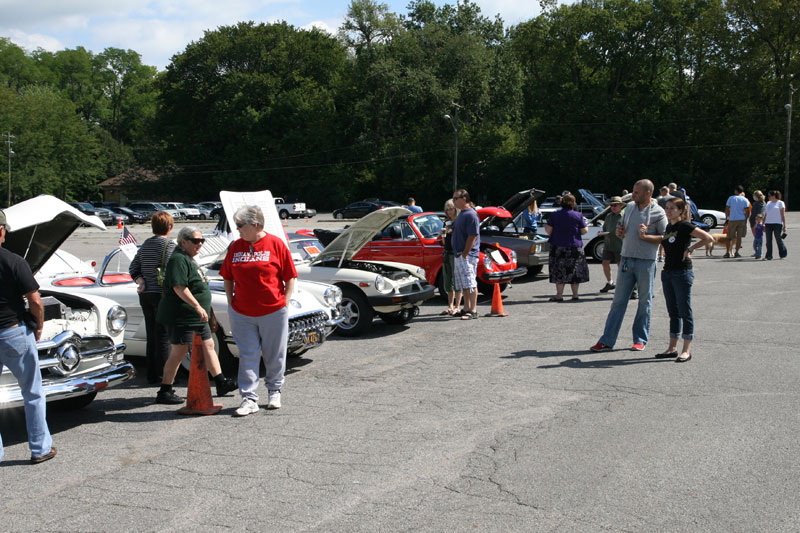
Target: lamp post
column 788, row 108
column 454, row 122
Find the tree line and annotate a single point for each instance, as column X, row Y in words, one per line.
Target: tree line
column 594, row 94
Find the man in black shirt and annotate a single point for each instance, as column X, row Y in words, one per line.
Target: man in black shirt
column 18, row 345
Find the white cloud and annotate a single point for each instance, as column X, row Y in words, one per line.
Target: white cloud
column 32, row 41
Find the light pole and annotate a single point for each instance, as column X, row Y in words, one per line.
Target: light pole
column 788, row 108
column 9, row 142
column 454, row 122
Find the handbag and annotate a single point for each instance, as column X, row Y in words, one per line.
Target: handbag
column 162, row 268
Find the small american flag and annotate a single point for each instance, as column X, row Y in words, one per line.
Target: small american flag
column 126, row 237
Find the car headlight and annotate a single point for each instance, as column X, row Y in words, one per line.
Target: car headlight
column 333, row 296
column 533, row 248
column 487, row 262
column 513, row 256
column 116, row 319
column 380, row 283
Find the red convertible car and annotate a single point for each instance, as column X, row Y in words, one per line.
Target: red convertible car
column 416, row 239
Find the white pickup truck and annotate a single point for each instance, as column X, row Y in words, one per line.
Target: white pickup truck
column 294, row 210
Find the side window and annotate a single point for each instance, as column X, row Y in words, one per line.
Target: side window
column 406, row 231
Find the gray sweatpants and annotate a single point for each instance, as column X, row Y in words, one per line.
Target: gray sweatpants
column 260, row 337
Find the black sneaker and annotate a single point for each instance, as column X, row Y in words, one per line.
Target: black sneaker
column 229, row 385
column 168, row 397
column 634, row 295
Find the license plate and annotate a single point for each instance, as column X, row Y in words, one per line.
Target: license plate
column 312, row 338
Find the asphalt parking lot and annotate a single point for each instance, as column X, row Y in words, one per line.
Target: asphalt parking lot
column 496, row 424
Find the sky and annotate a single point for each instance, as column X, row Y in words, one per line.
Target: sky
column 158, row 29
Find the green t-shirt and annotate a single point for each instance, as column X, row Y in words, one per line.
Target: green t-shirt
column 182, row 270
column 611, row 241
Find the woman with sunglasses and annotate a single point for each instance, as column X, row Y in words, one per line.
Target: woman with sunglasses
column 259, row 279
column 184, row 309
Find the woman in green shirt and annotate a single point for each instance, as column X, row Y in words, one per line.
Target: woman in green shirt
column 184, row 310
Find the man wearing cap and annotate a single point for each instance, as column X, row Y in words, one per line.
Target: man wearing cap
column 612, row 245
column 642, row 227
column 18, row 344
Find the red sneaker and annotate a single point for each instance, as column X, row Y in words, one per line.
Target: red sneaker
column 600, row 347
column 637, row 347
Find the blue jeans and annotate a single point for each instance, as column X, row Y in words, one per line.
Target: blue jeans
column 632, row 272
column 678, row 295
column 757, row 242
column 18, row 352
column 770, row 230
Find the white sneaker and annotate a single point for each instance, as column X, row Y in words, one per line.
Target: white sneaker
column 248, row 407
column 274, row 399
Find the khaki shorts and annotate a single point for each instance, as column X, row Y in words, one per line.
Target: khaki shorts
column 737, row 229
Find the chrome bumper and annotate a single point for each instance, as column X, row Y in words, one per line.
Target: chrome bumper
column 506, row 275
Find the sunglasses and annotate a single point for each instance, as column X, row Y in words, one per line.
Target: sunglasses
column 196, row 240
column 457, row 197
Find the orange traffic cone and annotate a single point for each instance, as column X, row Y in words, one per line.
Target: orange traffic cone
column 497, row 302
column 119, row 223
column 198, row 394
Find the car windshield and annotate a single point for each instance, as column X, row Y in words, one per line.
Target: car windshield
column 159, row 207
column 430, row 226
column 305, row 249
column 85, row 205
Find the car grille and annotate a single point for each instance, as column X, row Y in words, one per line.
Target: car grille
column 417, row 286
column 302, row 324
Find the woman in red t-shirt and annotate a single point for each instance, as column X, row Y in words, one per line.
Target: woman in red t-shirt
column 259, row 279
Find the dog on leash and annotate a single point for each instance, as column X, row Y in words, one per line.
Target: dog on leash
column 718, row 238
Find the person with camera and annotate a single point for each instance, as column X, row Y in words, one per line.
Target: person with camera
column 775, row 224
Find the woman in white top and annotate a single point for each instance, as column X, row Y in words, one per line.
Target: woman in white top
column 775, row 223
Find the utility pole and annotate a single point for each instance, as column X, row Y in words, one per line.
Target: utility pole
column 9, row 142
column 788, row 108
column 454, row 121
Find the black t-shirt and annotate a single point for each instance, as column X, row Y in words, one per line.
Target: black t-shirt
column 16, row 280
column 677, row 238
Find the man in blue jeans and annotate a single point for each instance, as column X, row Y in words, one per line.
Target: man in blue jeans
column 18, row 345
column 641, row 230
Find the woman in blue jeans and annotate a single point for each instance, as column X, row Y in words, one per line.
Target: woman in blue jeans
column 678, row 277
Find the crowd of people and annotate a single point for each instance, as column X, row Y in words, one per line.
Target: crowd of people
column 259, row 278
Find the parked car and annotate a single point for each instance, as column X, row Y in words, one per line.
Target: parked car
column 210, row 205
column 205, row 212
column 313, row 315
column 290, row 209
column 134, row 217
column 709, row 217
column 416, row 240
column 148, row 208
column 110, row 218
column 188, row 213
column 588, row 205
column 81, row 350
column 498, row 226
column 356, row 210
column 390, row 290
column 84, row 207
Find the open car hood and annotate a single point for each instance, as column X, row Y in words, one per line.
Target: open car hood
column 352, row 239
column 39, row 226
column 486, row 212
column 521, row 200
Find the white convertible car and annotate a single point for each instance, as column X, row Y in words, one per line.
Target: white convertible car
column 81, row 350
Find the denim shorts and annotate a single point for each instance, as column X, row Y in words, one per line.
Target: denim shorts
column 183, row 335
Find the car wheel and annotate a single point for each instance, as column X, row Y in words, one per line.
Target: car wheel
column 76, row 402
column 595, row 249
column 215, row 216
column 440, row 285
column 487, row 289
column 284, row 214
column 535, row 270
column 202, row 217
column 338, row 216
column 357, row 313
column 709, row 220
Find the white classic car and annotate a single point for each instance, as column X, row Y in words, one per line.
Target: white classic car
column 81, row 349
column 313, row 313
column 390, row 290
